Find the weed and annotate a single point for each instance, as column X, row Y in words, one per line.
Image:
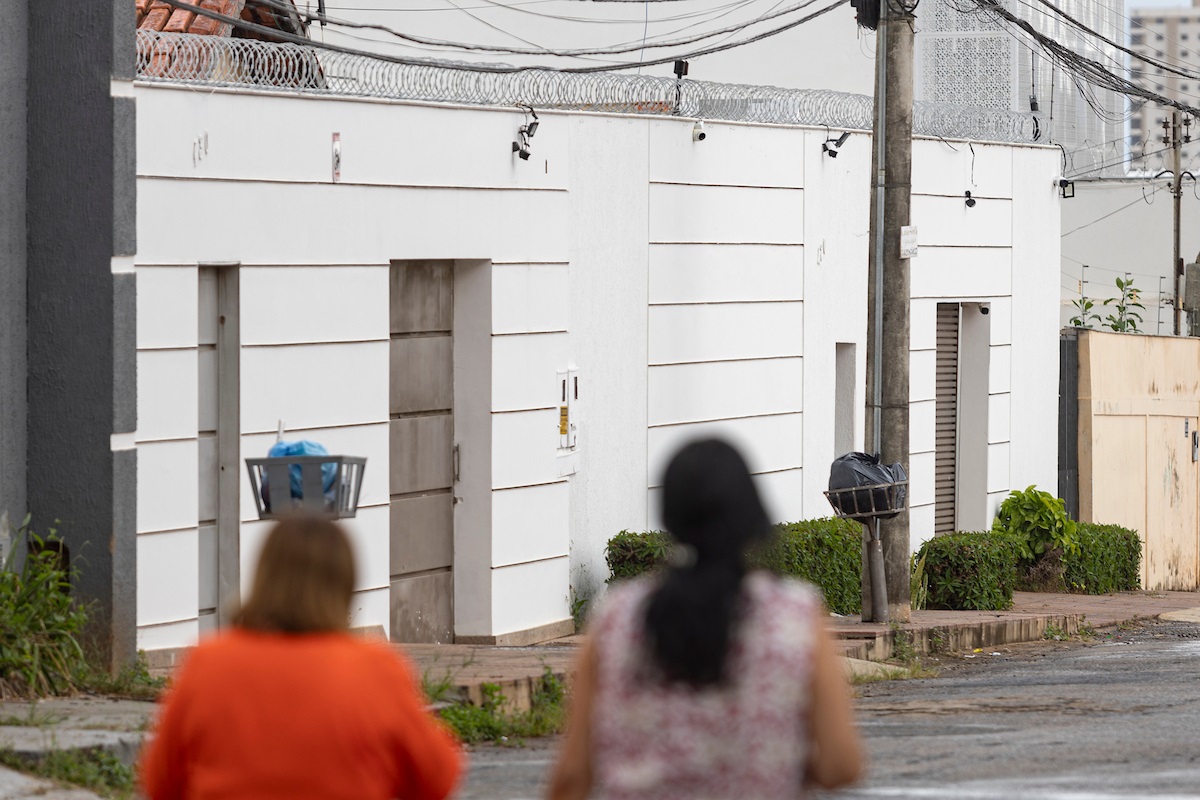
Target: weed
column 489, row 721
column 939, row 642
column 903, row 646
column 1055, row 633
column 579, row 609
column 39, row 624
column 34, row 718
column 96, row 770
column 437, row 690
column 133, row 682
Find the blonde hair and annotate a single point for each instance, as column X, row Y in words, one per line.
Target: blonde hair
column 304, row 579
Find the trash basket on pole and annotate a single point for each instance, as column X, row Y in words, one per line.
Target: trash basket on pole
column 862, row 489
column 321, row 484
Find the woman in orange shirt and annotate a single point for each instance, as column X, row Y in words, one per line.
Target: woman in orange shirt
column 289, row 704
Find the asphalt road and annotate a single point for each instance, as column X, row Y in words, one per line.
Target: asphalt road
column 1114, row 718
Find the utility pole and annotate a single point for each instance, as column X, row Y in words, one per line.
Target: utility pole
column 1173, row 138
column 888, row 290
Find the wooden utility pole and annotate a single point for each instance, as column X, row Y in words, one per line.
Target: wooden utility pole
column 888, row 285
column 1174, row 136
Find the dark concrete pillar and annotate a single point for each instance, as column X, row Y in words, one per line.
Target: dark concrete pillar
column 13, row 80
column 82, row 381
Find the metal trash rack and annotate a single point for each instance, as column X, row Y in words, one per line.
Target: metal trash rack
column 868, row 505
column 341, row 501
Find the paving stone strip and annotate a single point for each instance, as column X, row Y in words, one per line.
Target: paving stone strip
column 120, row 726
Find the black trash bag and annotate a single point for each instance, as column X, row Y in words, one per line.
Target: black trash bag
column 860, row 469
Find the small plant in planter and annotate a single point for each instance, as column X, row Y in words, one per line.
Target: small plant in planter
column 1084, row 315
column 1126, row 319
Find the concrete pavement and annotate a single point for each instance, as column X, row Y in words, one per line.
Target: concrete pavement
column 119, row 726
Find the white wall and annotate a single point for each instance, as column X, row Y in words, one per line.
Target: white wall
column 829, row 52
column 1123, row 227
column 698, row 289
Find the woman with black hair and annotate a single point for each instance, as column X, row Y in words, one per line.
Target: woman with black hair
column 708, row 681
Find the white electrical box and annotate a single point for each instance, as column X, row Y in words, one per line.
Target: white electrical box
column 568, row 419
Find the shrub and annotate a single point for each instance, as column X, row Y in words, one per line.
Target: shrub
column 1039, row 522
column 1109, row 560
column 39, row 624
column 825, row 552
column 630, row 554
column 970, row 571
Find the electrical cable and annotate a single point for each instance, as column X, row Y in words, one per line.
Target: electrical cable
column 1106, row 216
column 283, row 36
column 541, row 51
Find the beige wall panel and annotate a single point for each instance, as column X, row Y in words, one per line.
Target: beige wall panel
column 421, row 451
column 422, row 374
column 1171, row 484
column 423, row 609
column 430, row 281
column 1118, row 486
column 422, row 533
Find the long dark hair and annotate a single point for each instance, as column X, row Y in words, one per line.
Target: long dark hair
column 711, row 508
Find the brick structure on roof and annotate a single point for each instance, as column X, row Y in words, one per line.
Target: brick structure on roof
column 158, row 15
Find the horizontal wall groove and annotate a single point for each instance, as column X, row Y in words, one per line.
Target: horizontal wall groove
column 421, row 573
column 169, row 439
column 725, row 302
column 523, row 410
column 747, row 244
column 781, row 470
column 726, row 185
column 743, row 360
column 307, row 428
column 421, row 335
column 529, row 485
column 149, row 625
column 349, row 184
column 437, row 412
column 181, row 348
column 531, row 561
column 265, row 345
column 725, row 419
column 157, row 531
column 497, row 335
column 445, row 490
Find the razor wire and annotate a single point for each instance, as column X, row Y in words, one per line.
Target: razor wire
column 246, row 63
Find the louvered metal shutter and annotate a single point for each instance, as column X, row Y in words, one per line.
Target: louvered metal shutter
column 946, row 424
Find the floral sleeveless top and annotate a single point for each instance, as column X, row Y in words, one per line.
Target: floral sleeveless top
column 747, row 739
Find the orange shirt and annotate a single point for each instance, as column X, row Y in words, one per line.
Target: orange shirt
column 254, row 715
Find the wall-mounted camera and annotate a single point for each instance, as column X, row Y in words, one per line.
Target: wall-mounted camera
column 698, row 134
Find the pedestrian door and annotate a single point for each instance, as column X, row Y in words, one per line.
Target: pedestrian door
column 946, row 422
column 421, row 451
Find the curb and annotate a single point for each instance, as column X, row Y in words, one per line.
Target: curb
column 879, row 644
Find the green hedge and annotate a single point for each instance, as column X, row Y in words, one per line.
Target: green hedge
column 826, row 552
column 1108, row 560
column 970, row 571
column 630, row 553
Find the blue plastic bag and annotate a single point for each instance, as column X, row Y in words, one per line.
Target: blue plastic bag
column 304, row 448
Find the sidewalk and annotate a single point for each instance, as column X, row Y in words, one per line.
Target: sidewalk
column 119, row 725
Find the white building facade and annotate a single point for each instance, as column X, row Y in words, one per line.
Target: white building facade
column 432, row 302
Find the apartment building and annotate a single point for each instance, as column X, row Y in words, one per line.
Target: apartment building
column 1171, row 35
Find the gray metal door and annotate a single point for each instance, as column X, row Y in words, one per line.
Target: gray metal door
column 422, row 443
column 946, row 423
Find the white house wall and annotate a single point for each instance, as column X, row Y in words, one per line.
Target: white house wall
column 698, row 289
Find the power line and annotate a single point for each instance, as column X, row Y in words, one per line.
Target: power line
column 1111, row 213
column 541, row 51
column 1083, row 70
column 278, row 35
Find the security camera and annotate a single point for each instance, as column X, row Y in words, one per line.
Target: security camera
column 984, row 310
column 698, row 134
column 970, row 201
